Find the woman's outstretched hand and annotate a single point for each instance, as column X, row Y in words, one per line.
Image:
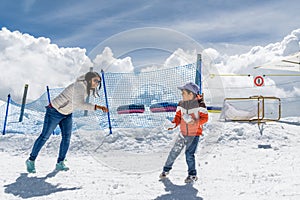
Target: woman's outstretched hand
column 103, row 108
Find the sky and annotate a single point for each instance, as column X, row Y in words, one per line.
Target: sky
column 51, row 43
column 85, row 24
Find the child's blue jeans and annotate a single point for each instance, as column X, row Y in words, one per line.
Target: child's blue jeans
column 191, row 143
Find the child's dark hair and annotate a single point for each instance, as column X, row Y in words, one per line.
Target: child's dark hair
column 189, row 92
column 199, row 96
column 88, row 77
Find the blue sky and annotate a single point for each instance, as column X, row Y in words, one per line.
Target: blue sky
column 212, row 23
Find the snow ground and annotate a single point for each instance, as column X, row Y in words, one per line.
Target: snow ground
column 127, row 165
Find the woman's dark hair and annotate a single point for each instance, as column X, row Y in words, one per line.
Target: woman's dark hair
column 88, row 77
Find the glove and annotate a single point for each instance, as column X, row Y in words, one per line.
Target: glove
column 103, row 108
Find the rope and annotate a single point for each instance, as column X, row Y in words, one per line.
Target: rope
column 213, row 75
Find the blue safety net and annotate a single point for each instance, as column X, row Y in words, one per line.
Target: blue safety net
column 135, row 100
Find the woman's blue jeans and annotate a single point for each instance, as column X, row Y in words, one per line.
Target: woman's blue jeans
column 191, row 143
column 52, row 119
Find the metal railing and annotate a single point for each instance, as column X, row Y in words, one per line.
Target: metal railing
column 261, row 116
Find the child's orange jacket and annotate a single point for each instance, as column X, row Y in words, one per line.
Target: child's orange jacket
column 196, row 109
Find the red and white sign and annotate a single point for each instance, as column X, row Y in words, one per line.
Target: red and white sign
column 258, row 81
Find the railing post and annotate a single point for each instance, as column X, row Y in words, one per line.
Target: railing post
column 198, row 78
column 23, row 103
column 106, row 100
column 6, row 114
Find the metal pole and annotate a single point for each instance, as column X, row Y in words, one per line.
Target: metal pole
column 23, row 103
column 198, row 79
column 6, row 113
column 106, row 100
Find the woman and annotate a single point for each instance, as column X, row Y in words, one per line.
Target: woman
column 59, row 112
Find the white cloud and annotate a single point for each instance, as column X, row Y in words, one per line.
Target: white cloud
column 39, row 63
column 213, row 62
column 181, row 57
column 243, row 86
column 35, row 61
column 259, row 55
column 108, row 63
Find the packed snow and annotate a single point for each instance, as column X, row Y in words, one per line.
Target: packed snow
column 126, row 164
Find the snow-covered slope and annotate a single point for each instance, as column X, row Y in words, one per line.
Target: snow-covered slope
column 126, row 165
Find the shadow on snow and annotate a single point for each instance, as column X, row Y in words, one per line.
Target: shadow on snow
column 177, row 192
column 291, row 123
column 27, row 187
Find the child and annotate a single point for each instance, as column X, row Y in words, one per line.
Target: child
column 59, row 112
column 191, row 114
